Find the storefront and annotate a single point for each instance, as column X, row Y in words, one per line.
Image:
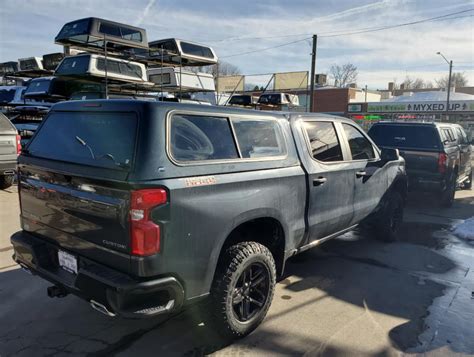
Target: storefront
column 404, row 109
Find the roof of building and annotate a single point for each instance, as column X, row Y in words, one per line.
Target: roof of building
column 430, row 97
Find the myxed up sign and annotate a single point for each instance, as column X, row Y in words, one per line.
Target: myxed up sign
column 414, row 107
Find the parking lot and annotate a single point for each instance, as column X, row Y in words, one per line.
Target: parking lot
column 352, row 295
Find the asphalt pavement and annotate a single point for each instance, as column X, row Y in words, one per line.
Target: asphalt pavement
column 350, row 296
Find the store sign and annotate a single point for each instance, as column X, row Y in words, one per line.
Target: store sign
column 455, row 106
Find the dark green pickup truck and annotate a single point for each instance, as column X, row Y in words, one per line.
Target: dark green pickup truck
column 141, row 207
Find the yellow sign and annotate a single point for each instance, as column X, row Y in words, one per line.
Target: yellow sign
column 230, row 84
column 291, row 80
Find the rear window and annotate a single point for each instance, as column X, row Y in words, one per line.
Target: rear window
column 74, row 65
column 7, row 95
column 96, row 139
column 39, row 86
column 74, row 28
column 405, row 136
column 240, row 100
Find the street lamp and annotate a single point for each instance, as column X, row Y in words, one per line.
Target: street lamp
column 449, row 82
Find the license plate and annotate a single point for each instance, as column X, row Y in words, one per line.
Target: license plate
column 67, row 261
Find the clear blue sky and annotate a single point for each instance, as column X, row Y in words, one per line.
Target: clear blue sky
column 27, row 28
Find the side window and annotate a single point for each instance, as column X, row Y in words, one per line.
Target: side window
column 259, row 138
column 462, row 138
column 324, row 142
column 195, row 138
column 109, row 29
column 361, row 148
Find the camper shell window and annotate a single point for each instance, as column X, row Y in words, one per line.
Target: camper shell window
column 74, row 65
column 28, row 64
column 8, row 67
column 75, row 28
column 196, row 50
column 120, row 31
column 126, row 69
column 38, row 86
column 163, row 78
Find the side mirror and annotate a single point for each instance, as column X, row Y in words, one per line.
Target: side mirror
column 387, row 154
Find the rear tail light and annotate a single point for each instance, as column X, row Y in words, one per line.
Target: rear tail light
column 18, row 144
column 442, row 163
column 145, row 234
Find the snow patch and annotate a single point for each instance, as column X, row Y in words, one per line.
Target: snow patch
column 465, row 230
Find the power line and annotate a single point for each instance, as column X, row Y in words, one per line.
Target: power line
column 360, row 30
column 266, row 48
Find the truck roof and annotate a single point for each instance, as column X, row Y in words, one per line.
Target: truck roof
column 139, row 105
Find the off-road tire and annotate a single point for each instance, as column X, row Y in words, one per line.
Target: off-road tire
column 236, row 264
column 447, row 196
column 468, row 183
column 387, row 225
column 6, row 181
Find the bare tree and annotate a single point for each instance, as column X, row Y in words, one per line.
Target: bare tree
column 343, row 75
column 416, row 83
column 457, row 80
column 224, row 68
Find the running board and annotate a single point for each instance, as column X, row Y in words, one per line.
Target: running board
column 322, row 240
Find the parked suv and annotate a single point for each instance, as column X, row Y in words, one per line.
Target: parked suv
column 141, row 207
column 10, row 147
column 438, row 155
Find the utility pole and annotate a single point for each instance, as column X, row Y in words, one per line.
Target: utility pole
column 449, row 89
column 313, row 72
column 366, row 93
column 449, row 83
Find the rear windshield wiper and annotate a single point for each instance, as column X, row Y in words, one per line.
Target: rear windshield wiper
column 111, row 157
column 83, row 143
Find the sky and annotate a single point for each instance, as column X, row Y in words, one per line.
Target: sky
column 28, row 28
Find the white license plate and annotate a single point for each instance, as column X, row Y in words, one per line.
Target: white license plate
column 67, row 261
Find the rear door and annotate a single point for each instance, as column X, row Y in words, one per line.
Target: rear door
column 368, row 175
column 465, row 152
column 73, row 183
column 330, row 182
column 8, row 144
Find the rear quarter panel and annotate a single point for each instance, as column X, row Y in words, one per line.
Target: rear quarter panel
column 202, row 217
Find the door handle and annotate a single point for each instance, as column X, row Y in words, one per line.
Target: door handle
column 361, row 174
column 319, row 181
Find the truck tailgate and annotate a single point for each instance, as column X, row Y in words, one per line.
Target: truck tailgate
column 8, row 147
column 420, row 161
column 79, row 215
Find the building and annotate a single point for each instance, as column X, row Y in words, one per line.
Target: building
column 417, row 106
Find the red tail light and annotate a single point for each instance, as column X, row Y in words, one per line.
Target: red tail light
column 18, row 144
column 442, row 163
column 145, row 234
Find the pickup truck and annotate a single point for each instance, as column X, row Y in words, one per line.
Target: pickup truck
column 438, row 155
column 142, row 207
column 10, row 147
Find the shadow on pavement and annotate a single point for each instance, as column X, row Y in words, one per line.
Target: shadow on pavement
column 378, row 277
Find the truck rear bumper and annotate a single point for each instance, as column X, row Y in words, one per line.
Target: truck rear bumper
column 108, row 290
column 7, row 167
